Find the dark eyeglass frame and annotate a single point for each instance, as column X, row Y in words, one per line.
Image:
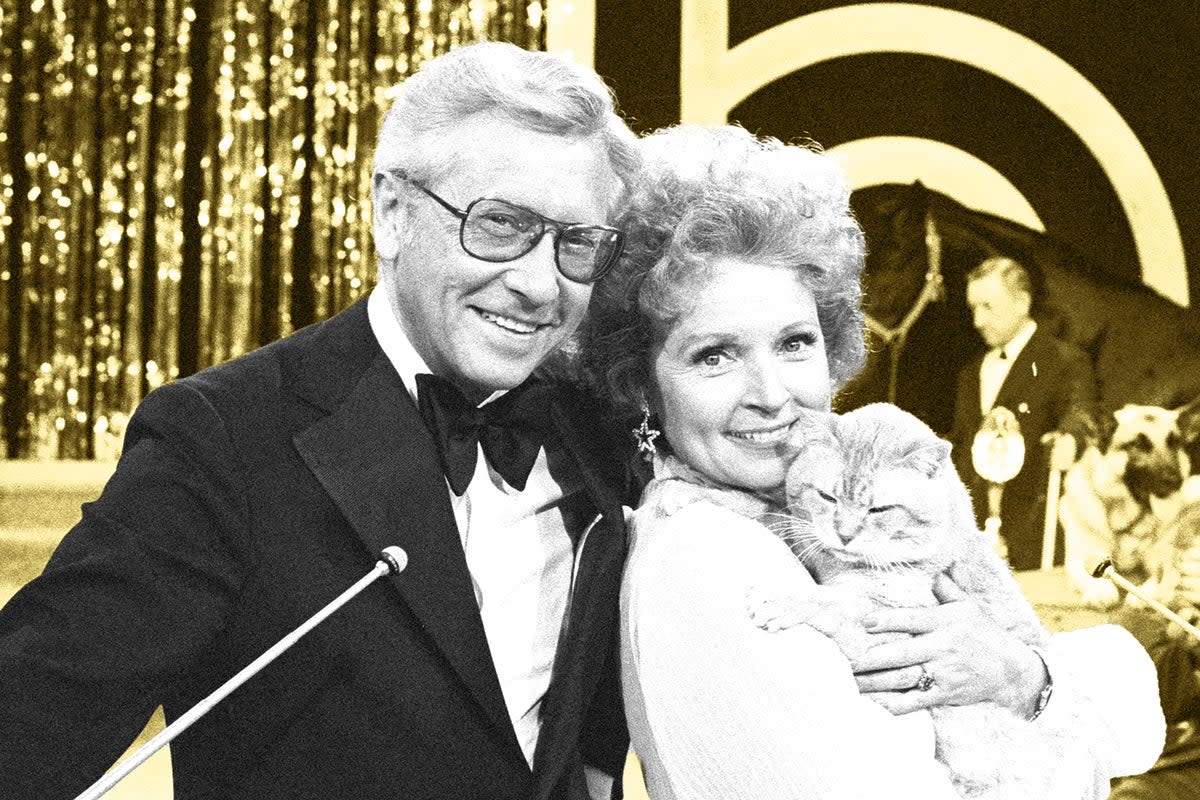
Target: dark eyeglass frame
column 544, row 222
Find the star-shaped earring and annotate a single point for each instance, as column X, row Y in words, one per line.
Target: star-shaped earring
column 644, row 435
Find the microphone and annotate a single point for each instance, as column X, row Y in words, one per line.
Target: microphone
column 1105, row 570
column 392, row 561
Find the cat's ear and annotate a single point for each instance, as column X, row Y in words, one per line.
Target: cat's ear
column 928, row 457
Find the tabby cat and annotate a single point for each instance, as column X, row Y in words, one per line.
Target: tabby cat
column 875, row 507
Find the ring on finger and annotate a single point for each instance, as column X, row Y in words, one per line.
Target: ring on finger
column 925, row 682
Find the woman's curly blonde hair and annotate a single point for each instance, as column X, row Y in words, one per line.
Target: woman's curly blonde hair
column 710, row 193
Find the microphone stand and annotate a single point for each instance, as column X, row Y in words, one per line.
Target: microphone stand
column 392, row 560
column 1105, row 570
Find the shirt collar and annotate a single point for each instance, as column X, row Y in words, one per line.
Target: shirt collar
column 396, row 345
column 1013, row 347
column 392, row 339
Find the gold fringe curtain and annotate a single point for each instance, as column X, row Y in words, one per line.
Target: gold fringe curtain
column 185, row 181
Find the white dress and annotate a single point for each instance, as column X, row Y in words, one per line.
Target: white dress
column 720, row 709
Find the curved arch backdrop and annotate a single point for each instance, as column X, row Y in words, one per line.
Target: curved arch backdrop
column 1085, row 114
column 944, row 168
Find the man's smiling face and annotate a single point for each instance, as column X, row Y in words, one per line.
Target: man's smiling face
column 485, row 325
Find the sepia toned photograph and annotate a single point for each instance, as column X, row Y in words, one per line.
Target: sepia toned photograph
column 579, row 399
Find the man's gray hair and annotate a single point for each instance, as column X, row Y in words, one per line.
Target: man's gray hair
column 535, row 90
column 1015, row 277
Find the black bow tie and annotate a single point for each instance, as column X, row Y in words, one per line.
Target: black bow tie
column 511, row 429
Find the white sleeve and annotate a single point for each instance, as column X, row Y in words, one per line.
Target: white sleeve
column 1105, row 697
column 737, row 712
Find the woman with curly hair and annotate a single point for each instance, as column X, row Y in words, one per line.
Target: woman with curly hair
column 736, row 308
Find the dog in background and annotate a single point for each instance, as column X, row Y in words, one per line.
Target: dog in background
column 1127, row 488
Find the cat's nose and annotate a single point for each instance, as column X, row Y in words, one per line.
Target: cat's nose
column 849, row 523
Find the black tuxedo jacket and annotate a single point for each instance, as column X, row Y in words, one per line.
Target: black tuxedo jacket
column 246, row 498
column 1050, row 387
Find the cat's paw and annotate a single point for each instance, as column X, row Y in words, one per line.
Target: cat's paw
column 1099, row 593
column 774, row 610
column 829, row 610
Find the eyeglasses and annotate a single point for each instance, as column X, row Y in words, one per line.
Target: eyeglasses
column 497, row 231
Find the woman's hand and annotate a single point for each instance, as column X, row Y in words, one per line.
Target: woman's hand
column 968, row 656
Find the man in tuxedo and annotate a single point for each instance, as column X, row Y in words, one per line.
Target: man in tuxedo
column 1046, row 383
column 252, row 493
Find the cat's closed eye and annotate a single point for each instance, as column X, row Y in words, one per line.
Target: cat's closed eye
column 826, row 496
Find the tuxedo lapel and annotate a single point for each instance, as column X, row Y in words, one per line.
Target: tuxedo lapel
column 375, row 459
column 592, row 612
column 599, row 468
column 972, row 390
column 1024, row 373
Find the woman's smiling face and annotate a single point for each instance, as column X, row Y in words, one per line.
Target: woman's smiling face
column 732, row 370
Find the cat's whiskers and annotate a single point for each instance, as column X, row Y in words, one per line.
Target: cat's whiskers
column 772, row 519
column 784, row 526
column 798, row 535
column 800, row 538
column 807, row 551
column 786, row 529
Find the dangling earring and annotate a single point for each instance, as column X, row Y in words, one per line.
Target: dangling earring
column 644, row 435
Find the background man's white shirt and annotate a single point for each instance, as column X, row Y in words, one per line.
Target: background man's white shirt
column 997, row 363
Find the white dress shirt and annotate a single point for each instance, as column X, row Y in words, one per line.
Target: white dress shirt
column 517, row 548
column 996, row 365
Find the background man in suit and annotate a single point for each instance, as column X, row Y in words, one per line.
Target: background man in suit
column 251, row 494
column 1046, row 383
